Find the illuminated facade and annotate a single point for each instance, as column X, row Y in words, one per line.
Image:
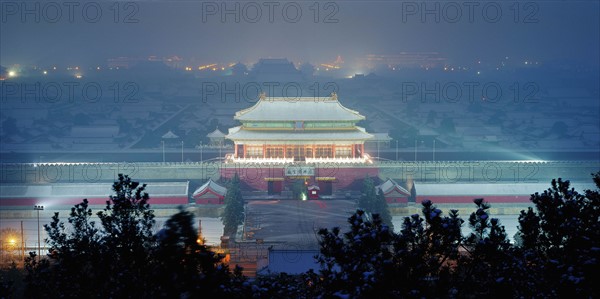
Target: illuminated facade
column 311, row 130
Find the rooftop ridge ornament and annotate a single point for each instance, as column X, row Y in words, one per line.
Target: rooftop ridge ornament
column 334, row 96
column 263, row 95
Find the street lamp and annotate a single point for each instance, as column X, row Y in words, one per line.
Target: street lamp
column 434, row 150
column 415, row 150
column 163, row 149
column 38, row 209
column 201, row 152
column 181, row 151
column 396, row 150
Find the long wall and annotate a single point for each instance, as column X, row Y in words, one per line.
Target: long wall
column 489, row 171
column 443, row 172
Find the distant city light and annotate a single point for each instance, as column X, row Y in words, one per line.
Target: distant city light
column 78, row 76
column 12, row 74
column 45, row 72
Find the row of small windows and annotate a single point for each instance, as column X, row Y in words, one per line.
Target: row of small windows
column 299, row 125
column 299, row 151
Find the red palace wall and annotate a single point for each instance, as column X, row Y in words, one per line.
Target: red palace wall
column 210, row 201
column 254, row 177
column 469, row 199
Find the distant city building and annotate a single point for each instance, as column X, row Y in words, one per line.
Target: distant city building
column 404, row 59
column 276, row 70
column 122, row 62
column 173, row 61
column 239, row 69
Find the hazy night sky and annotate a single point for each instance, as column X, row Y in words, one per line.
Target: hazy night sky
column 564, row 31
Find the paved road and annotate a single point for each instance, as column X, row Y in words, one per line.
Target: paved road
column 295, row 223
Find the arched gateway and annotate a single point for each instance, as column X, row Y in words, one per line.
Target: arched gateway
column 314, row 138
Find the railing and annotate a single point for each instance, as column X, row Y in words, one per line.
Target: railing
column 260, row 160
column 291, row 160
column 346, row 160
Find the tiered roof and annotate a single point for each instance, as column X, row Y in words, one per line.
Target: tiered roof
column 298, row 109
column 306, row 109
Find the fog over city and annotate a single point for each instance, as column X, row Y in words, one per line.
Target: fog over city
column 439, row 58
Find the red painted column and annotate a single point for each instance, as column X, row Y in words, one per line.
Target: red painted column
column 244, row 150
column 235, row 146
column 333, row 150
column 353, row 150
column 362, row 150
column 264, row 150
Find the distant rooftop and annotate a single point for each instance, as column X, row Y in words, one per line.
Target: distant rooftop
column 279, row 70
column 170, row 135
column 216, row 134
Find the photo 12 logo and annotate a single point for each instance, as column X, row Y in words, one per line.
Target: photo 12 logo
column 269, row 12
column 470, row 91
column 69, row 92
column 68, row 11
column 469, row 171
column 254, row 91
column 65, row 172
column 469, row 11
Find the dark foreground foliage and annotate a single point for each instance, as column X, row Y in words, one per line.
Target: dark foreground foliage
column 557, row 255
column 122, row 258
